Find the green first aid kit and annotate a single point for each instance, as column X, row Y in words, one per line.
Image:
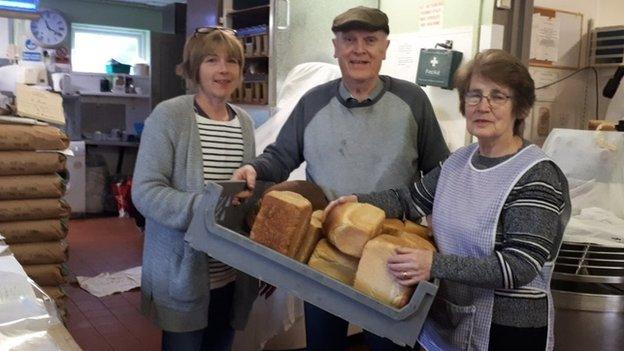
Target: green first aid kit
column 436, row 67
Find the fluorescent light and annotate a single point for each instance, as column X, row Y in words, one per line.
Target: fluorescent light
column 19, row 5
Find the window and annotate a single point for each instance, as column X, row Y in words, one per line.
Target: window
column 93, row 46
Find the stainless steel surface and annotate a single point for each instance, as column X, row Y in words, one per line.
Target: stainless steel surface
column 588, row 292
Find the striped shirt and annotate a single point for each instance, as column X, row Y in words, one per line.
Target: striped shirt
column 222, row 152
column 528, row 235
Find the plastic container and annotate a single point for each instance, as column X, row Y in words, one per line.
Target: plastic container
column 117, row 68
column 399, row 325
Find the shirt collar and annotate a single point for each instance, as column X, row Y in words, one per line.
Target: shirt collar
column 346, row 95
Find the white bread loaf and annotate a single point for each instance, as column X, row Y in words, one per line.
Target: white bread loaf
column 417, row 241
column 282, row 221
column 329, row 260
column 417, row 229
column 311, row 238
column 373, row 277
column 392, row 226
column 350, row 225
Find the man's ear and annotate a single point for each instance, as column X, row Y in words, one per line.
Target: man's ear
column 386, row 49
column 335, row 49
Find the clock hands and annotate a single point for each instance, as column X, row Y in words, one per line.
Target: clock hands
column 50, row 28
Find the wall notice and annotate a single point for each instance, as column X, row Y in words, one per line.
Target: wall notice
column 431, row 15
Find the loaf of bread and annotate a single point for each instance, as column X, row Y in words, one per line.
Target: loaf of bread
column 351, row 225
column 309, row 190
column 418, row 229
column 392, row 226
column 417, row 241
column 373, row 277
column 311, row 238
column 331, row 261
column 282, row 221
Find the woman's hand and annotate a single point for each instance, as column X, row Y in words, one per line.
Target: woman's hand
column 339, row 201
column 410, row 266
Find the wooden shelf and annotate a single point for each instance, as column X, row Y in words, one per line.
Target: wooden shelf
column 248, row 10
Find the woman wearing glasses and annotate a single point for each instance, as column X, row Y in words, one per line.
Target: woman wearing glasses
column 499, row 208
column 188, row 141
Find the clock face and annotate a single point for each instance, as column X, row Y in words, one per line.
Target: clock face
column 50, row 29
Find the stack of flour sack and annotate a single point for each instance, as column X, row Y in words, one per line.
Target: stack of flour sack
column 352, row 245
column 33, row 217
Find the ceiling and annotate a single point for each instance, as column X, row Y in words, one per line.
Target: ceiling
column 152, row 2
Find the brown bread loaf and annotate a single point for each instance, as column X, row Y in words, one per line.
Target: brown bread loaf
column 282, row 221
column 416, row 228
column 392, row 226
column 332, row 262
column 309, row 190
column 349, row 226
column 311, row 238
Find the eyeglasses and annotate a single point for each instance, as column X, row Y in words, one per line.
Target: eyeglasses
column 207, row 30
column 495, row 99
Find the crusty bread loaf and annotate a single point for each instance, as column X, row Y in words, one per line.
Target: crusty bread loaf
column 373, row 277
column 417, row 229
column 282, row 221
column 329, row 260
column 350, row 225
column 309, row 190
column 311, row 238
column 392, row 226
column 417, row 241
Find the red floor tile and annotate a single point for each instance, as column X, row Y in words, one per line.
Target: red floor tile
column 111, row 322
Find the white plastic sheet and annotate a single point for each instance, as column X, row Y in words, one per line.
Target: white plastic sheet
column 25, row 317
column 593, row 162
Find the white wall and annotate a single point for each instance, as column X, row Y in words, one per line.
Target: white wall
column 610, row 13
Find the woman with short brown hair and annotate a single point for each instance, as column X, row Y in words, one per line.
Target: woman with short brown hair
column 188, row 141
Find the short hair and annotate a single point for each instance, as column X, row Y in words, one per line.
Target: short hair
column 501, row 68
column 200, row 45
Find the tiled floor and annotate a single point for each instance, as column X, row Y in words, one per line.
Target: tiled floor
column 112, row 322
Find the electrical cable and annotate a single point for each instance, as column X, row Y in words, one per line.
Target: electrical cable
column 572, row 74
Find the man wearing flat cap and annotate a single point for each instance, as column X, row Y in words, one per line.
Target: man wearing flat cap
column 358, row 134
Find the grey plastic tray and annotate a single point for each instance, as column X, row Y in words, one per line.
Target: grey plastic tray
column 399, row 325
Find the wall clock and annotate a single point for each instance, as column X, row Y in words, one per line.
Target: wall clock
column 50, row 29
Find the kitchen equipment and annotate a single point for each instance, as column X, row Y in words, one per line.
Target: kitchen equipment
column 588, row 292
column 141, row 69
column 105, row 85
column 119, row 84
column 61, row 82
column 207, row 232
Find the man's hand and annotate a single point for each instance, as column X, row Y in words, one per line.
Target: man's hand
column 339, row 201
column 248, row 174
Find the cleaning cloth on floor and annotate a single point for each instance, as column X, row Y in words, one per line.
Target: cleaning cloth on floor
column 109, row 283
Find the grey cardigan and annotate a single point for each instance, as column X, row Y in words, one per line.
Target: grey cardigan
column 167, row 188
